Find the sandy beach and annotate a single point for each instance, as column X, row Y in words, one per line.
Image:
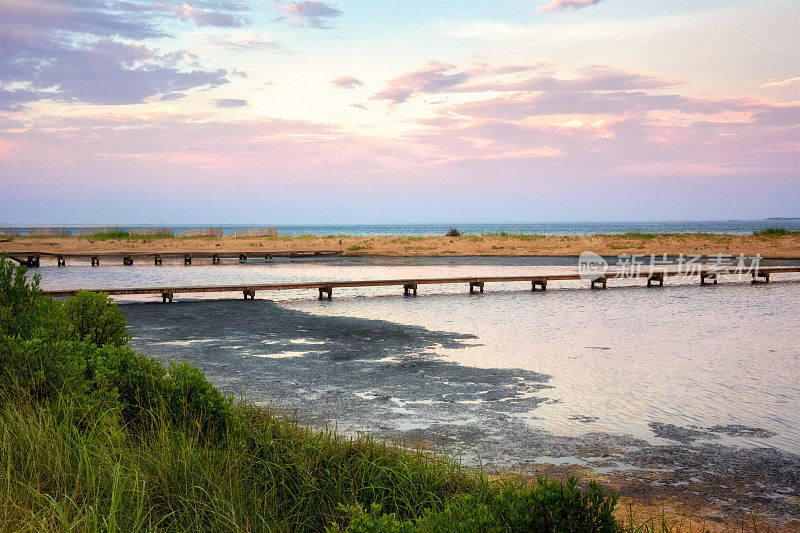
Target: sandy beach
column 785, row 246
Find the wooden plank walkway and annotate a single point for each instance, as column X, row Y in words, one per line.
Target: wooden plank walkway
column 538, row 283
column 33, row 259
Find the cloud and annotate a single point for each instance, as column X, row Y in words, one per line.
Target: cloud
column 230, row 102
column 37, row 18
column 591, row 78
column 172, row 96
column 309, row 13
column 250, row 41
column 208, row 17
column 429, row 79
column 70, row 52
column 782, row 83
column 561, row 5
column 347, row 82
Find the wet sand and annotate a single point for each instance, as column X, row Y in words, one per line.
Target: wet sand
column 787, row 246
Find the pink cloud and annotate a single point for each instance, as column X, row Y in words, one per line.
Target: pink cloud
column 310, row 13
column 561, row 5
column 434, row 77
column 347, row 82
column 781, row 83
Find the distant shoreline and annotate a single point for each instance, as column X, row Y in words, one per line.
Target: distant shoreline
column 778, row 246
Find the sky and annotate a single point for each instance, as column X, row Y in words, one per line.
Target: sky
column 293, row 112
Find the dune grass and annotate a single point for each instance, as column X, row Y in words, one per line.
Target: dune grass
column 124, row 235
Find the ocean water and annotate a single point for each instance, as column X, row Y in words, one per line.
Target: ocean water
column 717, row 364
column 735, row 227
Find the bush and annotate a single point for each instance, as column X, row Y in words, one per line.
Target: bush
column 96, row 319
column 553, row 506
column 775, row 232
column 453, row 233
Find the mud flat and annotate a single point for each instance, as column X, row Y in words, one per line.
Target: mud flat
column 781, row 246
column 357, row 375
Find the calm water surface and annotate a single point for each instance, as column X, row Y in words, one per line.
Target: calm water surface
column 619, row 359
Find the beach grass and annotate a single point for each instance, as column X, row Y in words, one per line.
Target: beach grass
column 94, row 436
column 124, row 235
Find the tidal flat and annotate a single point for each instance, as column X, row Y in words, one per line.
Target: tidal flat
column 418, row 386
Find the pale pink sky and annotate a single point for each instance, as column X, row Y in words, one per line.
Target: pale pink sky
column 393, row 111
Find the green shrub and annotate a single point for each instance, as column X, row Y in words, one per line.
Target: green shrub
column 775, row 232
column 553, row 506
column 96, row 319
column 192, row 400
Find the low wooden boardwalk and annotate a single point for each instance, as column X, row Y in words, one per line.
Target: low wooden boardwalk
column 538, row 283
column 33, row 259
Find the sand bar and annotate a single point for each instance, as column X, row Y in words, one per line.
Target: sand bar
column 785, row 246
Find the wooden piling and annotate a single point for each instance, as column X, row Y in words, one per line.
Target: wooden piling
column 473, row 284
column 326, row 290
column 539, row 284
column 127, row 260
column 658, row 276
column 61, row 261
column 409, row 288
column 712, row 275
column 599, row 281
column 95, row 260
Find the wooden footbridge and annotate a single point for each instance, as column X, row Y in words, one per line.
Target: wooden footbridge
column 33, row 259
column 538, row 283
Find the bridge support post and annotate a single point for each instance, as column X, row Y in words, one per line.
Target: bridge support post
column 127, row 260
column 61, row 261
column 187, row 259
column 712, row 275
column 326, row 291
column 474, row 284
column 539, row 285
column 215, row 259
column 249, row 294
column 158, row 260
column 268, row 257
column 95, row 260
column 599, row 281
column 33, row 260
column 410, row 288
column 166, row 296
column 243, row 258
column 757, row 274
column 659, row 277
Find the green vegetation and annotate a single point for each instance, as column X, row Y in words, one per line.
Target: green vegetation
column 124, row 235
column 356, row 248
column 94, row 436
column 637, row 235
column 775, row 232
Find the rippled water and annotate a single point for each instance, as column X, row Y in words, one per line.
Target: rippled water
column 618, row 360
